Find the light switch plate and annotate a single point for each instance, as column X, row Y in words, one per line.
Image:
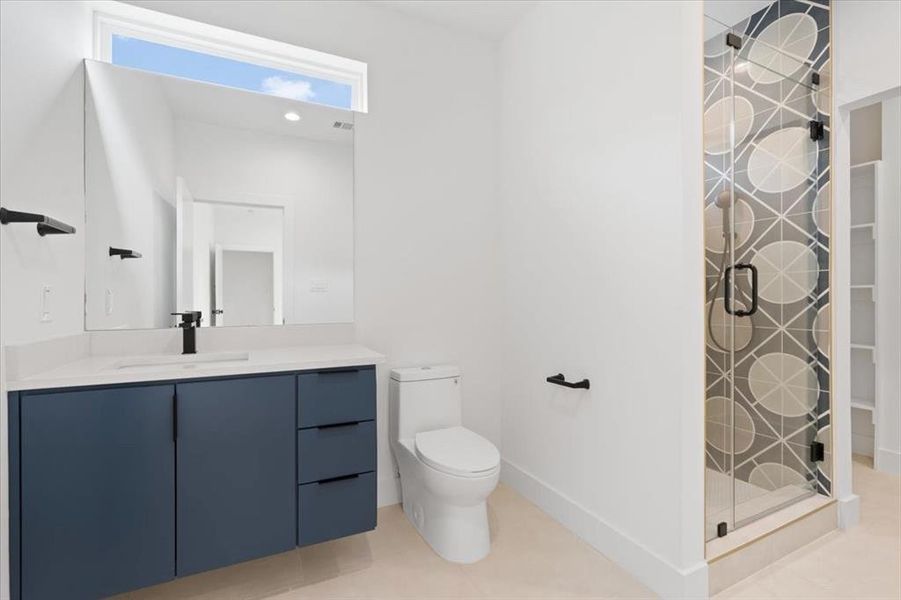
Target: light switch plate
column 46, row 294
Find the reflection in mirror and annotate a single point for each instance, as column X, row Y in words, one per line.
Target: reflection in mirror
column 240, row 204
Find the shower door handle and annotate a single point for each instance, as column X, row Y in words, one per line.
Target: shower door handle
column 727, row 304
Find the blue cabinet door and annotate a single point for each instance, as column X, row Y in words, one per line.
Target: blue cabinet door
column 235, row 470
column 97, row 491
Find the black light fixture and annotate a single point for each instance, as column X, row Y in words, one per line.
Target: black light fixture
column 45, row 225
column 123, row 253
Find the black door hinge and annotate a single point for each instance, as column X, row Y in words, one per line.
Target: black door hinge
column 734, row 40
column 817, row 130
column 817, row 452
column 721, row 529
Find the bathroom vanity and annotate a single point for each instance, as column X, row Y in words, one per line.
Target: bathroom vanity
column 125, row 474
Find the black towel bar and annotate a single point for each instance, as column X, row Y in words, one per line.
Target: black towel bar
column 559, row 379
column 46, row 225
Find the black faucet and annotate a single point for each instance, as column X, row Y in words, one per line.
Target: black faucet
column 190, row 321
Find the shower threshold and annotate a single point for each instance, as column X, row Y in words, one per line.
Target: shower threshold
column 752, row 502
column 759, row 512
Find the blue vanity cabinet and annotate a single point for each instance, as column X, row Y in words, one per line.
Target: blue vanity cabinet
column 115, row 488
column 97, row 491
column 336, row 452
column 336, row 396
column 236, row 470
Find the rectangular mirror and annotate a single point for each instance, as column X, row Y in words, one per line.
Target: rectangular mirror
column 203, row 197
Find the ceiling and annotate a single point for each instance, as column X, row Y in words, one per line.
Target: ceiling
column 485, row 19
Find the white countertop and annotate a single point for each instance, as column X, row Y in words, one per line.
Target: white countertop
column 107, row 370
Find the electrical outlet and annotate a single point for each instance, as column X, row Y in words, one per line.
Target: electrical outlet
column 46, row 295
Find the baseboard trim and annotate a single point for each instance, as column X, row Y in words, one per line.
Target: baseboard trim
column 887, row 461
column 387, row 491
column 649, row 568
column 848, row 511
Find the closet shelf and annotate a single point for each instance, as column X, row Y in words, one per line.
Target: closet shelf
column 862, row 404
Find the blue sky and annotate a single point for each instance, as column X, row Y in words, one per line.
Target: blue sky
column 148, row 56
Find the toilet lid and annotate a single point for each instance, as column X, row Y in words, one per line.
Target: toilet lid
column 458, row 451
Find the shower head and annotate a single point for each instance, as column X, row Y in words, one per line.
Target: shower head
column 724, row 200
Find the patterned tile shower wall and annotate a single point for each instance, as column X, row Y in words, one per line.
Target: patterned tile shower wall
column 781, row 225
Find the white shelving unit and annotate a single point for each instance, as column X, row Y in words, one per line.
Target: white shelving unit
column 864, row 327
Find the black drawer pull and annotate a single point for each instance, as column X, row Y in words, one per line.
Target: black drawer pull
column 339, row 371
column 334, row 479
column 336, row 425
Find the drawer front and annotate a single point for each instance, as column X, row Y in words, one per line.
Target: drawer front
column 338, row 396
column 332, row 509
column 333, row 451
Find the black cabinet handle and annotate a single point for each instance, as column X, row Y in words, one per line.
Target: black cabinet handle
column 336, row 425
column 175, row 417
column 727, row 301
column 559, row 379
column 334, row 479
column 339, row 371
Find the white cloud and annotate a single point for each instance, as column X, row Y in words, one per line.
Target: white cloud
column 288, row 88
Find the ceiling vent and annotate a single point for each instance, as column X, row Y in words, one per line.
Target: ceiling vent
column 343, row 125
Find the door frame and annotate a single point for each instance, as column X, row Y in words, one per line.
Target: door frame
column 277, row 280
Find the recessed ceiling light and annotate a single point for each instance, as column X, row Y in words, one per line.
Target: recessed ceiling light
column 292, row 116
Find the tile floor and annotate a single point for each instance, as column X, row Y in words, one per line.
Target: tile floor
column 534, row 557
column 863, row 562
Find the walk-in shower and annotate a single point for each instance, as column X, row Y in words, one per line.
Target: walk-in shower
column 767, row 206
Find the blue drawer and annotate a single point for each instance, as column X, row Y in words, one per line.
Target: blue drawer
column 337, row 396
column 332, row 509
column 335, row 450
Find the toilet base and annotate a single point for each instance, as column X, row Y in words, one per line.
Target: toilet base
column 449, row 512
column 459, row 534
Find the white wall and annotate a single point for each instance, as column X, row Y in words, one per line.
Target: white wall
column 315, row 179
column 866, row 69
column 41, row 170
column 130, row 200
column 888, row 411
column 867, row 49
column 602, row 254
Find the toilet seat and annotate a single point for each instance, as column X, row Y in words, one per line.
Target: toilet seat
column 457, row 451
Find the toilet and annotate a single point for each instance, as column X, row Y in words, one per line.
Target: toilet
column 446, row 470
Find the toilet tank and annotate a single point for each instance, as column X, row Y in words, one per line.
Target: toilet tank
column 424, row 398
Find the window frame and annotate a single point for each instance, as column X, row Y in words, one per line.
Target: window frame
column 114, row 18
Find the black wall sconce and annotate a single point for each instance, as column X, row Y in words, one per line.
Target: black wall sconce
column 46, row 225
column 123, row 253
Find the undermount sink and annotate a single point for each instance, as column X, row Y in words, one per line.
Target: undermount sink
column 182, row 360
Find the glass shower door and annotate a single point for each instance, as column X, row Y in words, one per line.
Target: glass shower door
column 767, row 237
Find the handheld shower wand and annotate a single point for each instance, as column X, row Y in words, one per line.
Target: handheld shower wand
column 726, row 203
